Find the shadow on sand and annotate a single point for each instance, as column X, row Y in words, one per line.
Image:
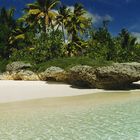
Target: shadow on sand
column 124, row 88
column 130, row 87
column 133, row 86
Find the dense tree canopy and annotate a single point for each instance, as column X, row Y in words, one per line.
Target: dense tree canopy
column 48, row 30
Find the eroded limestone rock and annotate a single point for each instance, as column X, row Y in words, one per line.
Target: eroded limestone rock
column 18, row 65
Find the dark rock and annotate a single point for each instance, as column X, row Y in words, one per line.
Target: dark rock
column 82, row 76
column 119, row 75
column 115, row 76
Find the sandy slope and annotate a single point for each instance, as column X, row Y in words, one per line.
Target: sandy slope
column 25, row 90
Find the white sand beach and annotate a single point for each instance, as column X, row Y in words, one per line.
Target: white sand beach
column 11, row 91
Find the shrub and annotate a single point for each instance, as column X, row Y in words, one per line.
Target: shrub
column 68, row 62
column 3, row 64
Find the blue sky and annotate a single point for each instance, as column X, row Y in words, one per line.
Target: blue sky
column 122, row 13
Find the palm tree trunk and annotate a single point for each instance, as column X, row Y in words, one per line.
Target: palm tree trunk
column 44, row 24
column 52, row 27
column 63, row 33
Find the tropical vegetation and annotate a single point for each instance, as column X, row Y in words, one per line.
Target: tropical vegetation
column 49, row 30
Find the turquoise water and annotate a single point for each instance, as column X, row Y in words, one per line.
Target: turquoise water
column 107, row 116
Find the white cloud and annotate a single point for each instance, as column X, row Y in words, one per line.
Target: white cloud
column 97, row 19
column 71, row 8
column 135, row 26
column 108, row 17
column 137, row 35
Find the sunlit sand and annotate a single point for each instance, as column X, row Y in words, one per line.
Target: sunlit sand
column 11, row 91
column 24, row 90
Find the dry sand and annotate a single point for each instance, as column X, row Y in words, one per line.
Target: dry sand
column 11, row 91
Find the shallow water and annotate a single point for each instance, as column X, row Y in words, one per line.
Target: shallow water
column 104, row 116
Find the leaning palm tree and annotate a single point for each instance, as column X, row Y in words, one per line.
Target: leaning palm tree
column 42, row 12
column 63, row 18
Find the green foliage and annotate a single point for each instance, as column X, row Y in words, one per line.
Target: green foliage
column 137, row 53
column 40, row 13
column 3, row 64
column 68, row 62
column 101, row 45
column 7, row 23
column 126, row 47
column 42, row 48
column 123, row 48
column 45, row 37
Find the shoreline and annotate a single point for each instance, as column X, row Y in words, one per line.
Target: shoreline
column 15, row 91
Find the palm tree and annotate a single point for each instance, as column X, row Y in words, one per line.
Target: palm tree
column 127, row 44
column 76, row 25
column 7, row 24
column 41, row 12
column 62, row 18
column 7, row 17
column 78, row 22
column 18, row 33
column 127, row 40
